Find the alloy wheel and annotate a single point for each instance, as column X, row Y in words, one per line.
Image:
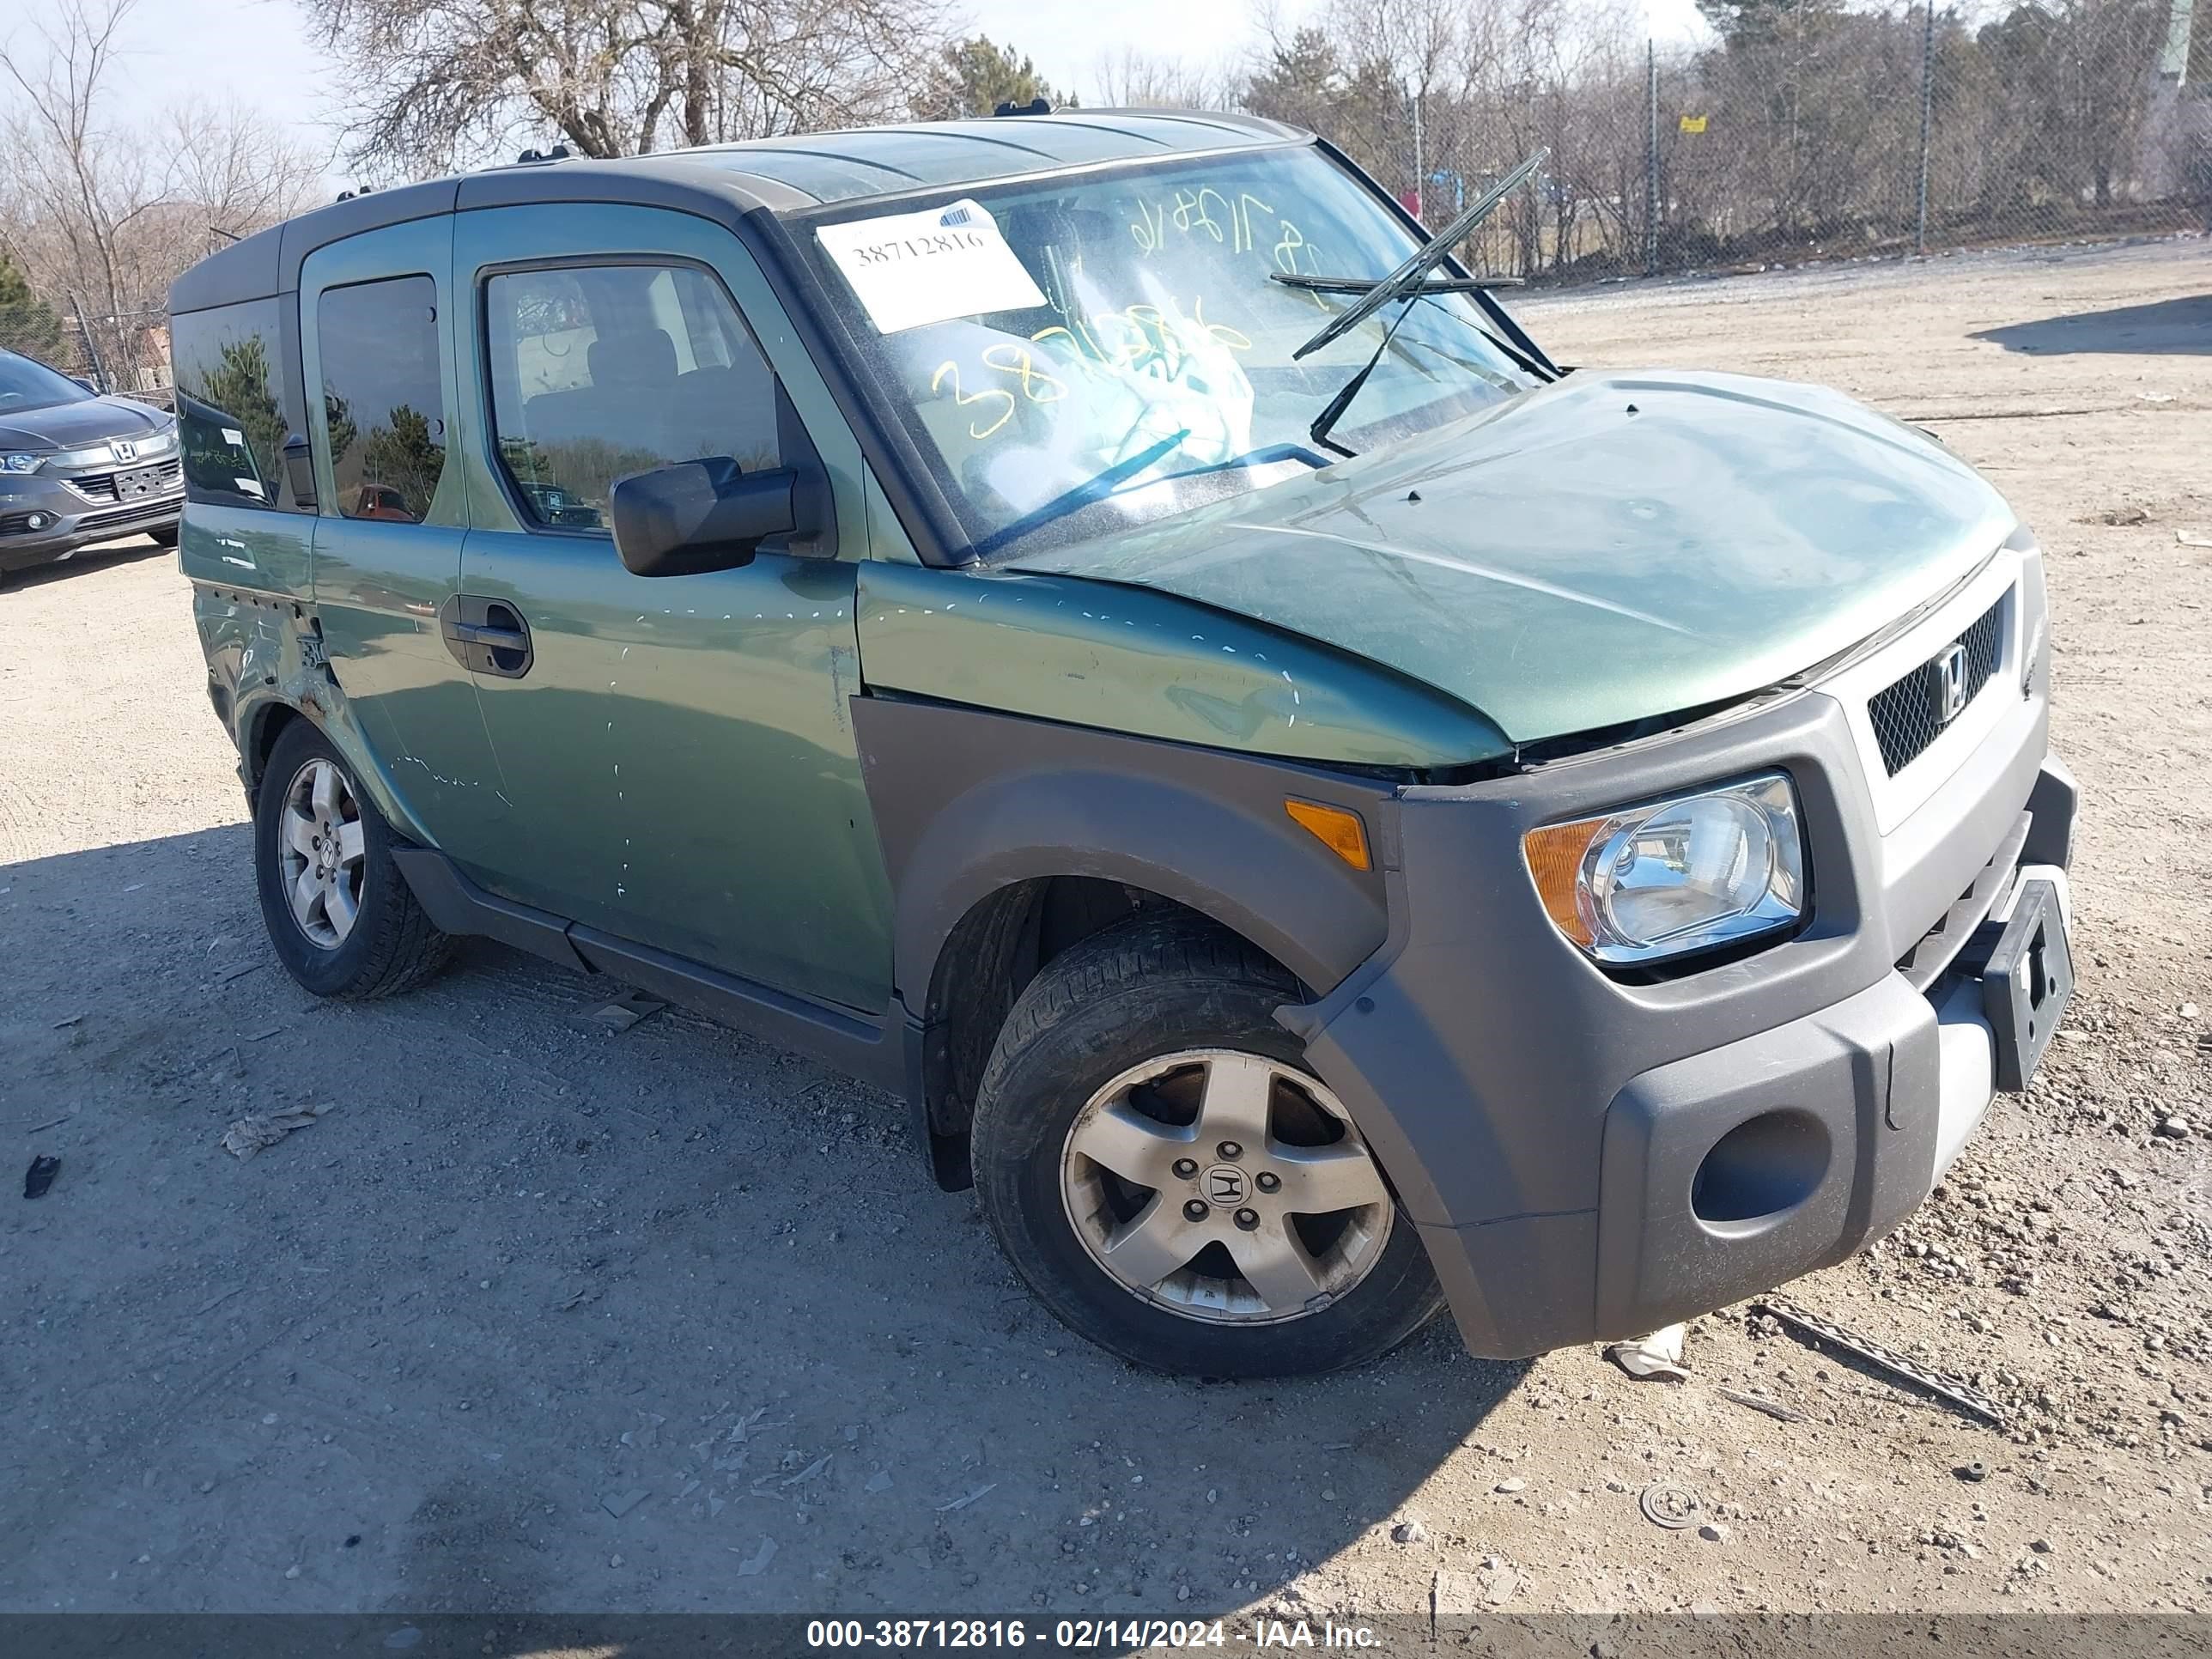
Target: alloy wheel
column 1224, row 1187
column 321, row 854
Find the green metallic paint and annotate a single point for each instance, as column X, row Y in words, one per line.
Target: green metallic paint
column 261, row 654
column 681, row 751
column 1124, row 658
column 1605, row 549
column 379, row 585
column 256, row 550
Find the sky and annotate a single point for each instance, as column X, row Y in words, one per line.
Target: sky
column 258, row 51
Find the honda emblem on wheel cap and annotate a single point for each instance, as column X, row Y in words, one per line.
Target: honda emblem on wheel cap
column 1224, row 1184
column 1950, row 684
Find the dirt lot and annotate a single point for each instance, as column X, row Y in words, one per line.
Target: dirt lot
column 542, row 1318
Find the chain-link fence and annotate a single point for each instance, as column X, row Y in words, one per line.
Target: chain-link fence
column 1809, row 131
column 125, row 352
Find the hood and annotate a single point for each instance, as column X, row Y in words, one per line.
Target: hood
column 72, row 426
column 1607, row 549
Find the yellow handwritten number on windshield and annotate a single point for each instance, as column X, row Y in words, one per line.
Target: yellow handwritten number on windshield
column 966, row 399
column 1037, row 387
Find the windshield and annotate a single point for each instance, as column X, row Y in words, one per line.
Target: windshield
column 28, row 385
column 1132, row 355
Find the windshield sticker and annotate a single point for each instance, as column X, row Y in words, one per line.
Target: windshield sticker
column 909, row 269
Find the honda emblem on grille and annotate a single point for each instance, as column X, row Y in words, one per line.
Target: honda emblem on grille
column 125, row 450
column 1950, row 684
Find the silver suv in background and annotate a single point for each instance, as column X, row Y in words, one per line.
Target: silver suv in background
column 77, row 468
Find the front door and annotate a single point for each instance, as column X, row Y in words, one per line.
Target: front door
column 679, row 750
column 376, row 323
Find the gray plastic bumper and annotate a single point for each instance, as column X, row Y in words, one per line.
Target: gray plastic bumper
column 71, row 522
column 1589, row 1157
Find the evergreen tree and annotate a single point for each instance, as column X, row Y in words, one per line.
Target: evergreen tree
column 27, row 324
column 976, row 75
column 1301, row 84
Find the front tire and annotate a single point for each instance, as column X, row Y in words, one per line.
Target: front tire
column 1160, row 1168
column 165, row 537
column 341, row 917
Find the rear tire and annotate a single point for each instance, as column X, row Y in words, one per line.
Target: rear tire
column 1273, row 1247
column 340, row 915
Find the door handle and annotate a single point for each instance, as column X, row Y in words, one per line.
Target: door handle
column 500, row 638
column 486, row 636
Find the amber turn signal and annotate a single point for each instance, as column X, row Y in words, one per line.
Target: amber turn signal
column 1336, row 829
column 1555, row 855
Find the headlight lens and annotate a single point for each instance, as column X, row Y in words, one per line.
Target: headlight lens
column 1673, row 876
column 17, row 463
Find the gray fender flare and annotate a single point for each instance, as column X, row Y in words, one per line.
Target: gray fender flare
column 968, row 802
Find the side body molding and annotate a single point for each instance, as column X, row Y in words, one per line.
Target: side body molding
column 968, row 802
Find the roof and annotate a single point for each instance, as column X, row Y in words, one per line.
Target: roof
column 784, row 175
column 838, row 167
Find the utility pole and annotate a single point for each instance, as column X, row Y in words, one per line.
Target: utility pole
column 91, row 345
column 1927, row 123
column 1420, row 166
column 1650, row 158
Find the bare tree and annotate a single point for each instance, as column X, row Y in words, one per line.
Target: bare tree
column 82, row 189
column 1136, row 79
column 105, row 214
column 438, row 82
column 230, row 165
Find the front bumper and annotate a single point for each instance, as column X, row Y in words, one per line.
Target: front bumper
column 71, row 521
column 1590, row 1156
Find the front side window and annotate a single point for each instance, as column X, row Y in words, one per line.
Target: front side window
column 598, row 372
column 384, row 403
column 234, row 404
column 1077, row 354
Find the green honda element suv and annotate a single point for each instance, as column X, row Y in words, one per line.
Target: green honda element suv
column 1098, row 625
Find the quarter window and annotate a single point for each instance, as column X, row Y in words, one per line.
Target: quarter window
column 235, row 404
column 384, row 403
column 599, row 372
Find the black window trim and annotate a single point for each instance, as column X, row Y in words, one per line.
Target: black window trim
column 480, row 321
column 319, row 432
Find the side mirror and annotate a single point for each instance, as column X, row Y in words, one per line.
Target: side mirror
column 700, row 515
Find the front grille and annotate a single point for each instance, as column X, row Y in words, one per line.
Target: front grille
column 143, row 481
column 1908, row 715
column 130, row 512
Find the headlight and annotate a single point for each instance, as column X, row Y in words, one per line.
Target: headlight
column 19, row 463
column 1682, row 874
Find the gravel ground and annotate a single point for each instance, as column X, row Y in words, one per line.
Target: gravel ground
column 538, row 1316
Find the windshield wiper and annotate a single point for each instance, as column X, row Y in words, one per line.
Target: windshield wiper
column 1361, row 284
column 1325, row 422
column 1409, row 278
column 1408, row 284
column 1096, row 488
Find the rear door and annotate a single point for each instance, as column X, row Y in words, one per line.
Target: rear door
column 376, row 321
column 679, row 748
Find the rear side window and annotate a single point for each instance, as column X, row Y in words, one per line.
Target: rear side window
column 235, row 404
column 598, row 372
column 383, row 400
